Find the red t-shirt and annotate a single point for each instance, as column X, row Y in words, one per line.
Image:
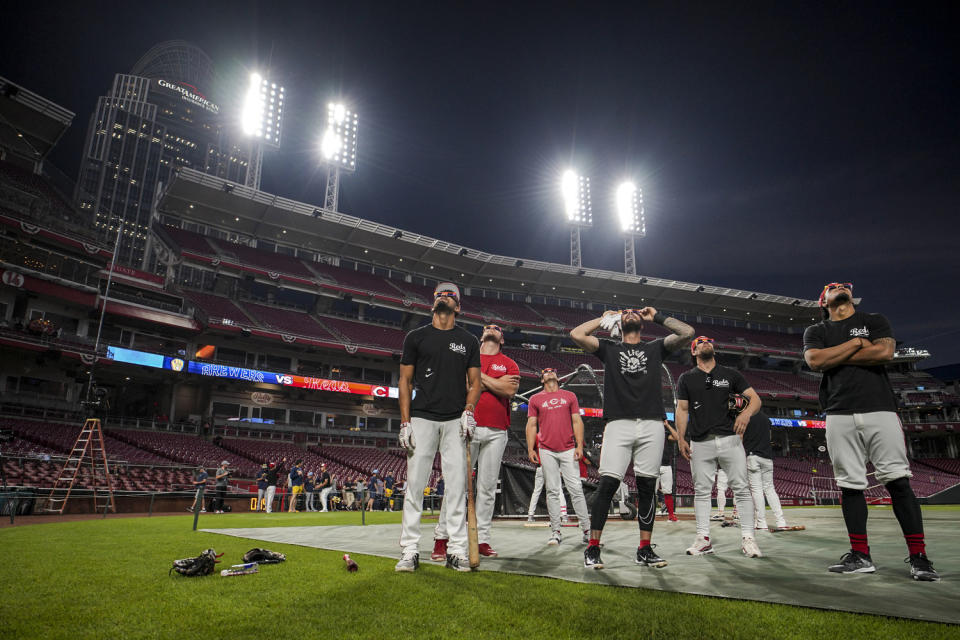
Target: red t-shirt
column 552, row 411
column 492, row 410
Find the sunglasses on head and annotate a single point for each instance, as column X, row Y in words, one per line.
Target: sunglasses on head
column 626, row 311
column 708, row 383
column 445, row 294
column 839, row 285
column 544, row 372
column 492, row 326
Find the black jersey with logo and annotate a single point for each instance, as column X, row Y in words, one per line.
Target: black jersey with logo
column 852, row 388
column 632, row 386
column 707, row 395
column 440, row 359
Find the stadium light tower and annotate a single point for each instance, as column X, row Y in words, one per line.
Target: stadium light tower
column 579, row 209
column 632, row 222
column 338, row 146
column 260, row 121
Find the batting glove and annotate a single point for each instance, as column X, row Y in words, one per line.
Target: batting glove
column 610, row 320
column 467, row 424
column 406, row 437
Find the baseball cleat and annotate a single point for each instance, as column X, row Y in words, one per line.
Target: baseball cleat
column 591, row 557
column 457, row 563
column 700, row 547
column 554, row 539
column 648, row 557
column 749, row 547
column 853, row 562
column 486, row 550
column 408, row 562
column 922, row 569
column 673, row 517
column 717, row 517
column 439, row 553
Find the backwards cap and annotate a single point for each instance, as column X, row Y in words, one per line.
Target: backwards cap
column 448, row 287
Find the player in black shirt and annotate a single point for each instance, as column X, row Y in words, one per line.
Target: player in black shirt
column 633, row 409
column 851, row 348
column 441, row 361
column 756, row 442
column 704, row 415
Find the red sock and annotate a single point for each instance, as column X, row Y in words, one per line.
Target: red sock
column 644, row 543
column 594, row 542
column 858, row 542
column 669, row 500
column 915, row 543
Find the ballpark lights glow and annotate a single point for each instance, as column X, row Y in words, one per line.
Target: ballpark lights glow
column 262, row 112
column 630, row 209
column 339, row 142
column 576, row 198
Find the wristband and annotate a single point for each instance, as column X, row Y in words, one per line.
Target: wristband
column 659, row 318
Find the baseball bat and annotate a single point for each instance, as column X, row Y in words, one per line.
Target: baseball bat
column 472, row 541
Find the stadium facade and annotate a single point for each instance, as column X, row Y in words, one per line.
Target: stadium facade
column 153, row 121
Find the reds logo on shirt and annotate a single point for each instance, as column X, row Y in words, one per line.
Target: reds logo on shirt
column 458, row 348
column 499, row 367
column 859, row 332
column 553, row 403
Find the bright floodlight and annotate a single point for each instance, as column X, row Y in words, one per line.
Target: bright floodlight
column 262, row 110
column 576, row 198
column 630, row 209
column 338, row 146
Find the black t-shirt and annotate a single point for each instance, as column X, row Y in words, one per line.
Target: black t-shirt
column 273, row 475
column 708, row 402
column 323, row 481
column 669, row 451
column 440, row 359
column 756, row 439
column 631, row 379
column 852, row 388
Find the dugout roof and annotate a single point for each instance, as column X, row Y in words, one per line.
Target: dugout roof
column 30, row 125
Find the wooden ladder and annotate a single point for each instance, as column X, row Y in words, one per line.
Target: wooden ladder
column 89, row 446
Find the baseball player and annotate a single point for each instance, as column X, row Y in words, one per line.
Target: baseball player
column 499, row 380
column 703, row 413
column 722, row 484
column 851, row 348
column 555, row 442
column 665, row 476
column 756, row 442
column 442, row 361
column 633, row 409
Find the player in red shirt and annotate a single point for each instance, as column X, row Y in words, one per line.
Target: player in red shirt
column 500, row 379
column 556, row 414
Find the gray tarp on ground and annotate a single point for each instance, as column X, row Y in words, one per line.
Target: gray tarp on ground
column 792, row 573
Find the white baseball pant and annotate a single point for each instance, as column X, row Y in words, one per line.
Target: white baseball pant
column 486, row 453
column 323, row 498
column 559, row 465
column 722, row 485
column 260, row 494
column 429, row 437
column 760, row 471
column 271, row 492
column 665, row 479
column 637, row 441
column 537, row 490
column 876, row 436
column 728, row 453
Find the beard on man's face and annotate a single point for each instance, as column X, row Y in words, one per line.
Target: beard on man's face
column 491, row 337
column 440, row 306
column 705, row 352
column 842, row 297
column 633, row 324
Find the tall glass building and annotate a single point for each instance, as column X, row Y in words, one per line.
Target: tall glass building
column 153, row 120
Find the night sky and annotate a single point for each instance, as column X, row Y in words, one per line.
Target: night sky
column 778, row 147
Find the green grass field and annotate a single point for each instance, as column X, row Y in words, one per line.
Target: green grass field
column 108, row 579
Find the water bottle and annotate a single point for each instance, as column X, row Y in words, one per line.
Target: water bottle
column 351, row 565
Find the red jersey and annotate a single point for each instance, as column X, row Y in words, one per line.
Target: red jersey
column 552, row 411
column 492, row 410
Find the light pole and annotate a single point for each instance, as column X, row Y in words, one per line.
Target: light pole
column 260, row 121
column 579, row 209
column 632, row 222
column 338, row 148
